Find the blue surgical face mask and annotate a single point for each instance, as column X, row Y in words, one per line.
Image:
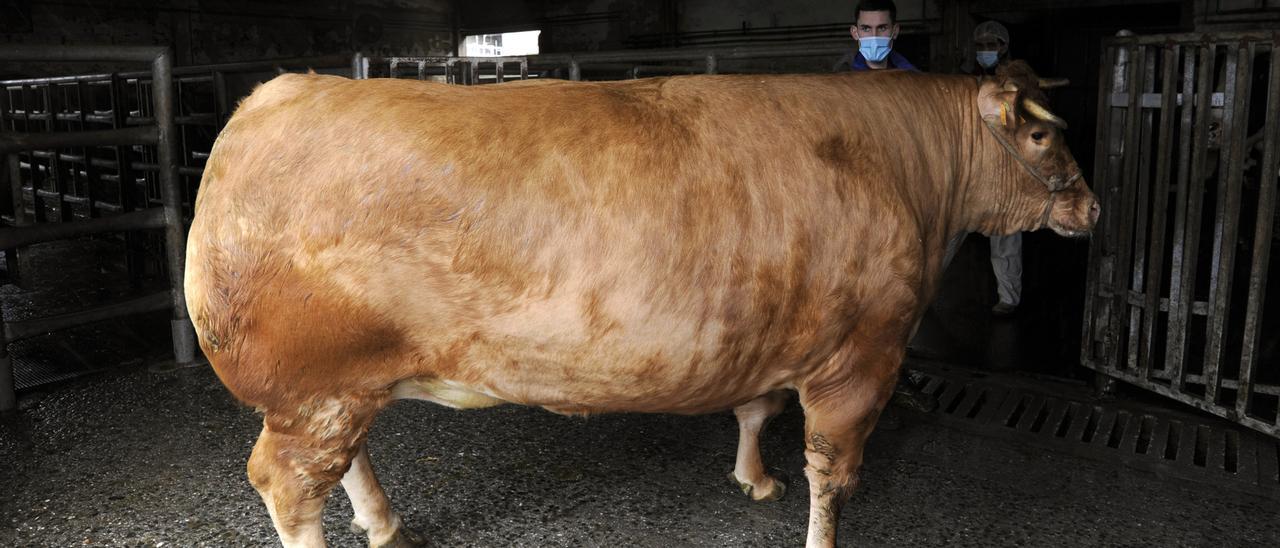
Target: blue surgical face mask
column 874, row 48
column 988, row 59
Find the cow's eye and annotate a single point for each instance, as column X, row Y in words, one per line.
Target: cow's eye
column 1037, row 135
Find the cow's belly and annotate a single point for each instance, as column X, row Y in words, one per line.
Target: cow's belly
column 595, row 378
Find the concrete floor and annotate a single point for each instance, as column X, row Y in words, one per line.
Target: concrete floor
column 139, row 458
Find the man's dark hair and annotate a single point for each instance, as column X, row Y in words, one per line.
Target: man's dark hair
column 877, row 5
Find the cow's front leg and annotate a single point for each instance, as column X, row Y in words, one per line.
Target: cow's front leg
column 373, row 513
column 841, row 408
column 748, row 471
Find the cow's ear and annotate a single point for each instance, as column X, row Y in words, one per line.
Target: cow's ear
column 997, row 104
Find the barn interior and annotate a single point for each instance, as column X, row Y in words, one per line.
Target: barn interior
column 1132, row 397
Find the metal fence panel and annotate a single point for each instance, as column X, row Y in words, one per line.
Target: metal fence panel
column 1188, row 139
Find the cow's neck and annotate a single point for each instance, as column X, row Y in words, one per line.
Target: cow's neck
column 997, row 196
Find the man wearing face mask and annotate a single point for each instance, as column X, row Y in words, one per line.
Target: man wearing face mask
column 991, row 48
column 875, row 28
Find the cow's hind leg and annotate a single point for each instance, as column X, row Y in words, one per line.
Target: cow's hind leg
column 748, row 471
column 840, row 412
column 373, row 513
column 300, row 455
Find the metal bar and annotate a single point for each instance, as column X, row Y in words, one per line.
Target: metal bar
column 55, row 167
column 64, row 198
column 711, row 63
column 1186, row 442
column 55, row 80
column 1197, row 402
column 1106, row 423
column 1128, row 195
column 80, row 53
column 16, row 190
column 1080, row 415
column 134, row 259
column 193, row 171
column 357, row 67
column 1233, row 384
column 11, row 237
column 14, row 142
column 1186, row 227
column 8, row 394
column 105, row 118
column 1262, row 236
column 102, row 79
column 692, row 54
column 1028, row 417
column 1111, row 189
column 1007, row 408
column 972, row 395
column 575, row 70
column 1054, row 420
column 1129, row 438
column 221, row 102
column 171, row 195
column 18, row 330
column 1268, row 463
column 90, row 171
column 1191, row 38
column 36, row 208
column 1155, row 100
column 1160, row 209
column 1227, row 222
column 13, row 174
column 1097, row 254
column 178, row 73
column 1160, row 437
column 1142, row 178
column 197, row 119
column 996, row 397
column 952, row 391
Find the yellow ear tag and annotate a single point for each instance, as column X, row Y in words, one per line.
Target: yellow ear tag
column 1004, row 114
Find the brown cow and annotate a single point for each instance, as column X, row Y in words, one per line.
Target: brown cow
column 674, row 245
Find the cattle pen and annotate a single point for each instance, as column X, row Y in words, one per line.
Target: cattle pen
column 1132, row 398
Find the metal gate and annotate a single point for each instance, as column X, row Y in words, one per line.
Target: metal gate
column 1186, row 168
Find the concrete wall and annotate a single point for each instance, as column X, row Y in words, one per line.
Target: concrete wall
column 210, row 31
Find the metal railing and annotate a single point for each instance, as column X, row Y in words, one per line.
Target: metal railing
column 617, row 64
column 1188, row 163
column 161, row 133
column 86, row 157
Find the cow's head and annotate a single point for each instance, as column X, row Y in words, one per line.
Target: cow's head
column 1012, row 107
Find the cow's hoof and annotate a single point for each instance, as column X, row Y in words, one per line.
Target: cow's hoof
column 404, row 538
column 773, row 491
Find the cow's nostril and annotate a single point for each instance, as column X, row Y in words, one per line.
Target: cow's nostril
column 1094, row 211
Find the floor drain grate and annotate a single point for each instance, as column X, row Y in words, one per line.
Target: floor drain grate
column 1164, row 441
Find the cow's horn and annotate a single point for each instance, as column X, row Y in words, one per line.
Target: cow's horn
column 1035, row 109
